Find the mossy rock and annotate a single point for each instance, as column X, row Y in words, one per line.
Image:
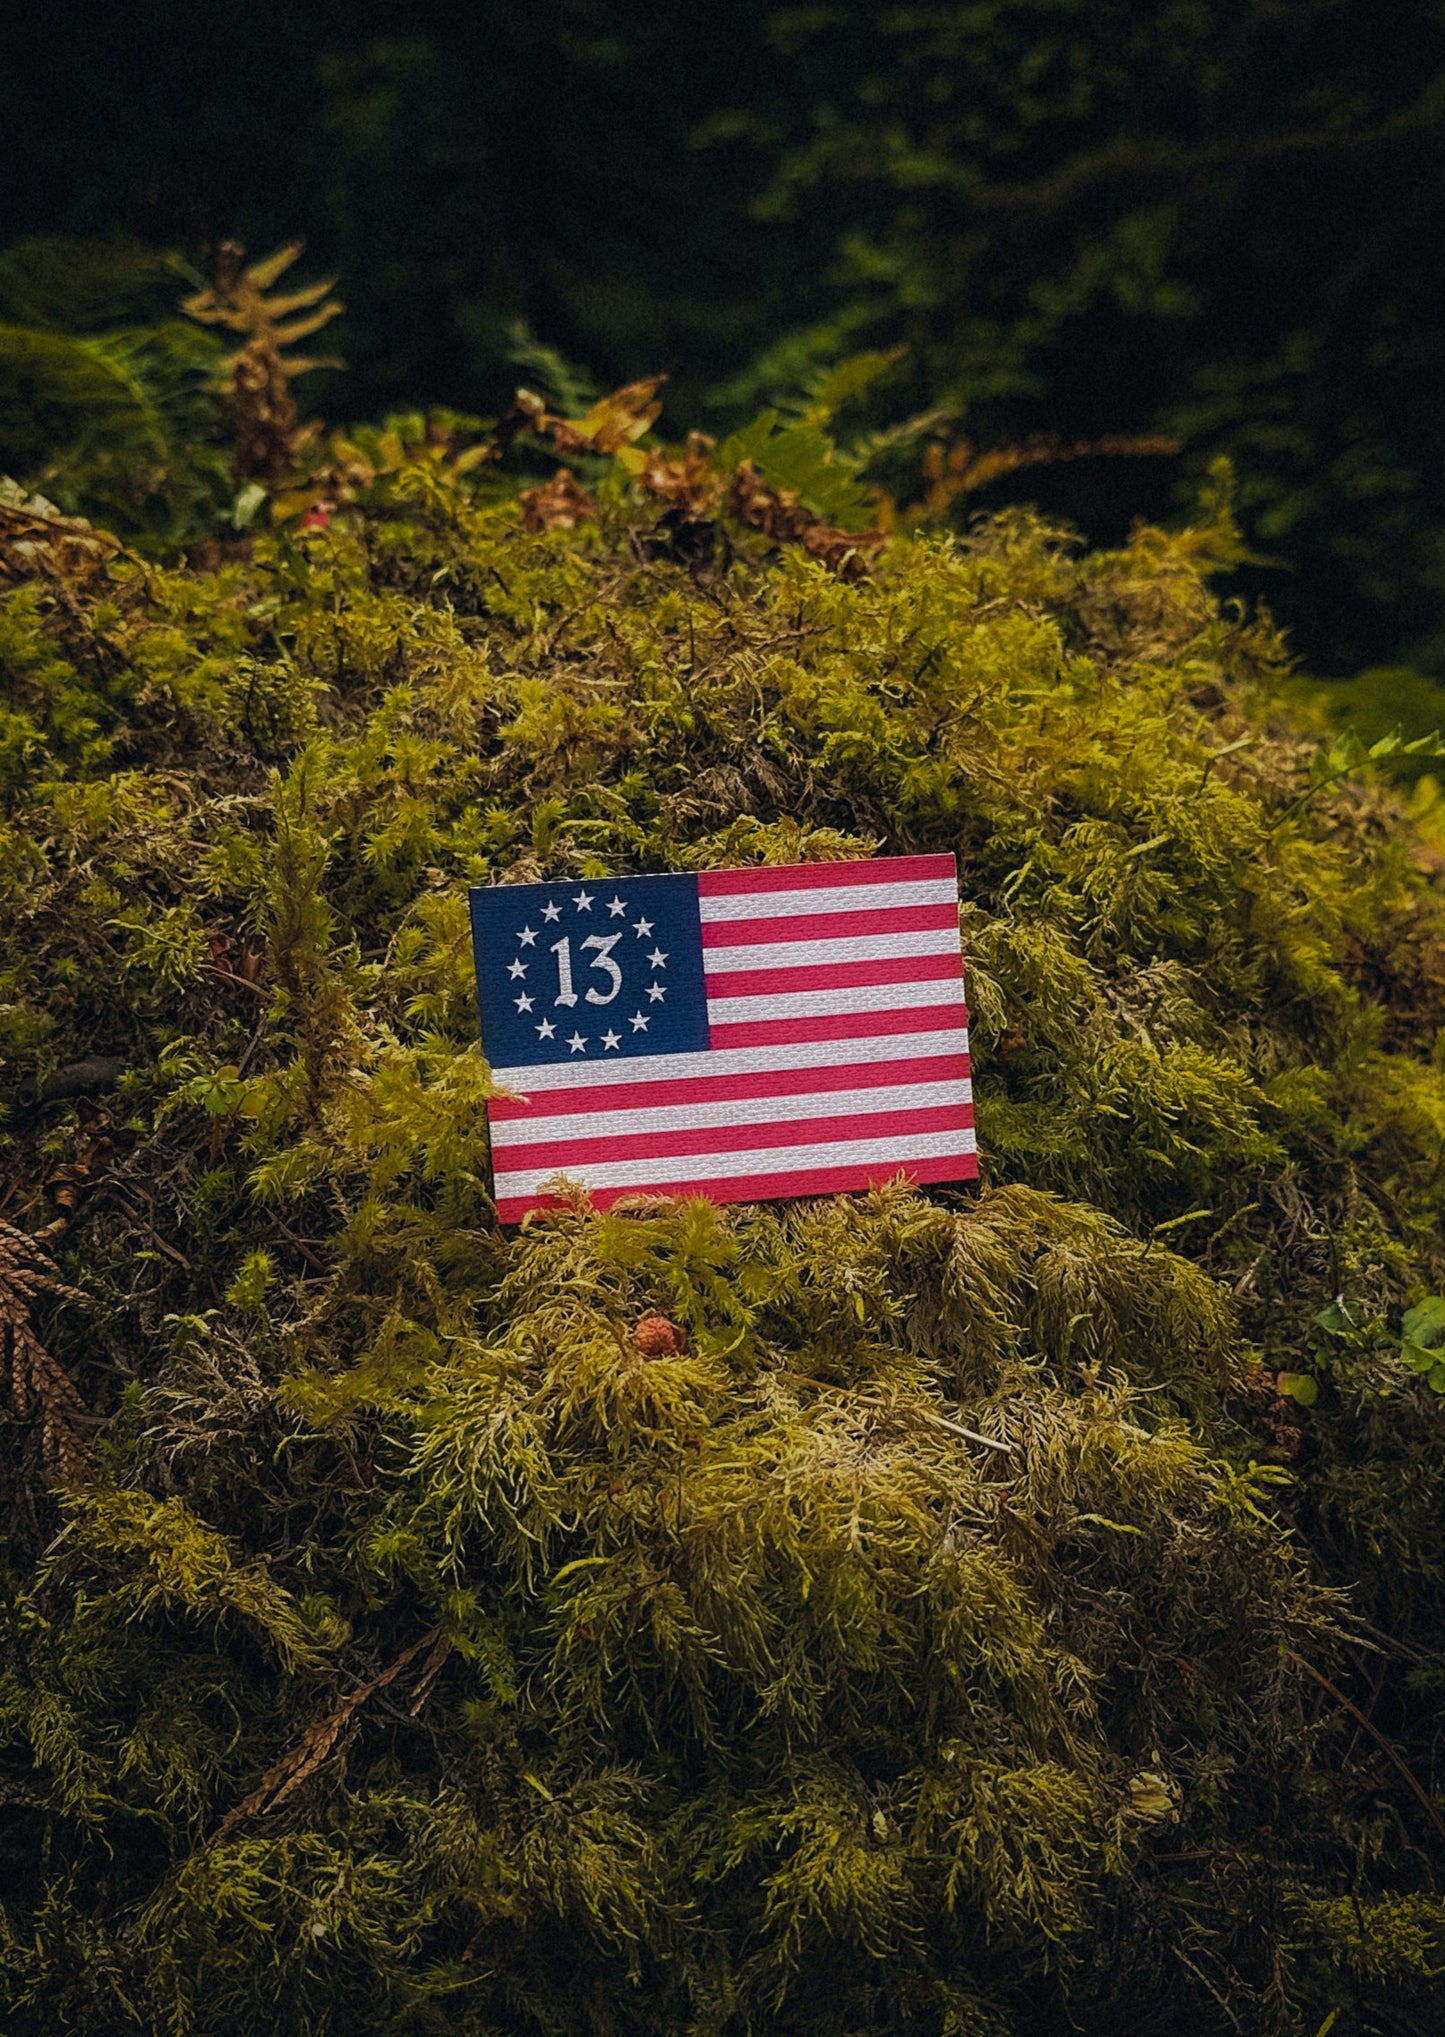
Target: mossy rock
column 403, row 1632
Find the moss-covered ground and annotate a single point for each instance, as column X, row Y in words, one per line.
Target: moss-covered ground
column 396, row 1637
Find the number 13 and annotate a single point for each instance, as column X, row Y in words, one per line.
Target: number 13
column 604, row 944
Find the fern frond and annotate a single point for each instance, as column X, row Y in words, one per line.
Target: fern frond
column 801, row 458
column 118, row 426
column 262, row 409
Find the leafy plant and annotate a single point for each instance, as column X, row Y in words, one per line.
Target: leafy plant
column 118, row 424
column 128, row 422
column 260, row 406
column 907, row 1613
column 1347, row 755
column 1422, row 1341
column 801, row 458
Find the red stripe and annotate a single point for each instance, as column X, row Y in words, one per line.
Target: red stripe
column 764, row 1187
column 728, row 1088
column 834, row 975
column 820, row 876
column 887, row 1124
column 828, row 926
column 846, row 1025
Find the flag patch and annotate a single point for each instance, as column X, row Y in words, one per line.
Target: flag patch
column 737, row 1034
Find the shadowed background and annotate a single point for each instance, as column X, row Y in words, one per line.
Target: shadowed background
column 1218, row 222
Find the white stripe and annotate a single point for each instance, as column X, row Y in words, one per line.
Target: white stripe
column 807, row 954
column 828, row 898
column 893, row 1152
column 788, row 1004
column 866, row 1049
column 569, row 1126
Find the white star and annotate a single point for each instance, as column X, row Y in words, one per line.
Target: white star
column 525, row 1003
column 578, row 1043
column 639, row 1023
column 657, row 959
column 583, row 901
column 553, row 912
column 527, row 937
column 612, row 1039
column 642, row 928
column 517, row 969
column 656, row 992
column 616, row 907
column 546, row 1030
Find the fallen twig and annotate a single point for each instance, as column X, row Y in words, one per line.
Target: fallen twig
column 305, row 1755
column 1396, row 1760
column 969, row 1435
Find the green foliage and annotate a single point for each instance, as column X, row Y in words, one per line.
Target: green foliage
column 101, row 413
column 119, row 416
column 1216, row 221
column 801, row 457
column 1348, row 1334
column 922, row 1630
column 56, row 284
column 1421, row 1336
column 1198, row 220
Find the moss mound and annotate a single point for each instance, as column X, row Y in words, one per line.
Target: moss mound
column 931, row 1613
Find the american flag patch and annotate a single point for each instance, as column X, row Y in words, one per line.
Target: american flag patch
column 735, row 1034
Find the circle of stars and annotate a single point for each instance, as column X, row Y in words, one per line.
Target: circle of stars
column 616, row 908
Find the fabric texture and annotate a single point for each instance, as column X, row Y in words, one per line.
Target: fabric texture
column 738, row 1034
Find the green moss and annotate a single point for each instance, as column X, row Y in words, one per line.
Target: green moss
column 730, row 1685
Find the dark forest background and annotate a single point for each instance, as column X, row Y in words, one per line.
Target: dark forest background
column 1218, row 220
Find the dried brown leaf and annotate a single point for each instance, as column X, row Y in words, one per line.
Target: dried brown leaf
column 690, row 483
column 560, row 504
column 611, row 424
column 36, row 541
column 784, row 517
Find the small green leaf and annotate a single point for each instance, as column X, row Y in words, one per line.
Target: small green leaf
column 1300, row 1386
column 243, row 509
column 216, row 1093
column 1344, row 753
column 1335, row 1319
column 1425, row 1323
column 800, row 457
column 579, row 1563
column 845, row 381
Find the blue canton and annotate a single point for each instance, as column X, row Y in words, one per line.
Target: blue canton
column 585, row 972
